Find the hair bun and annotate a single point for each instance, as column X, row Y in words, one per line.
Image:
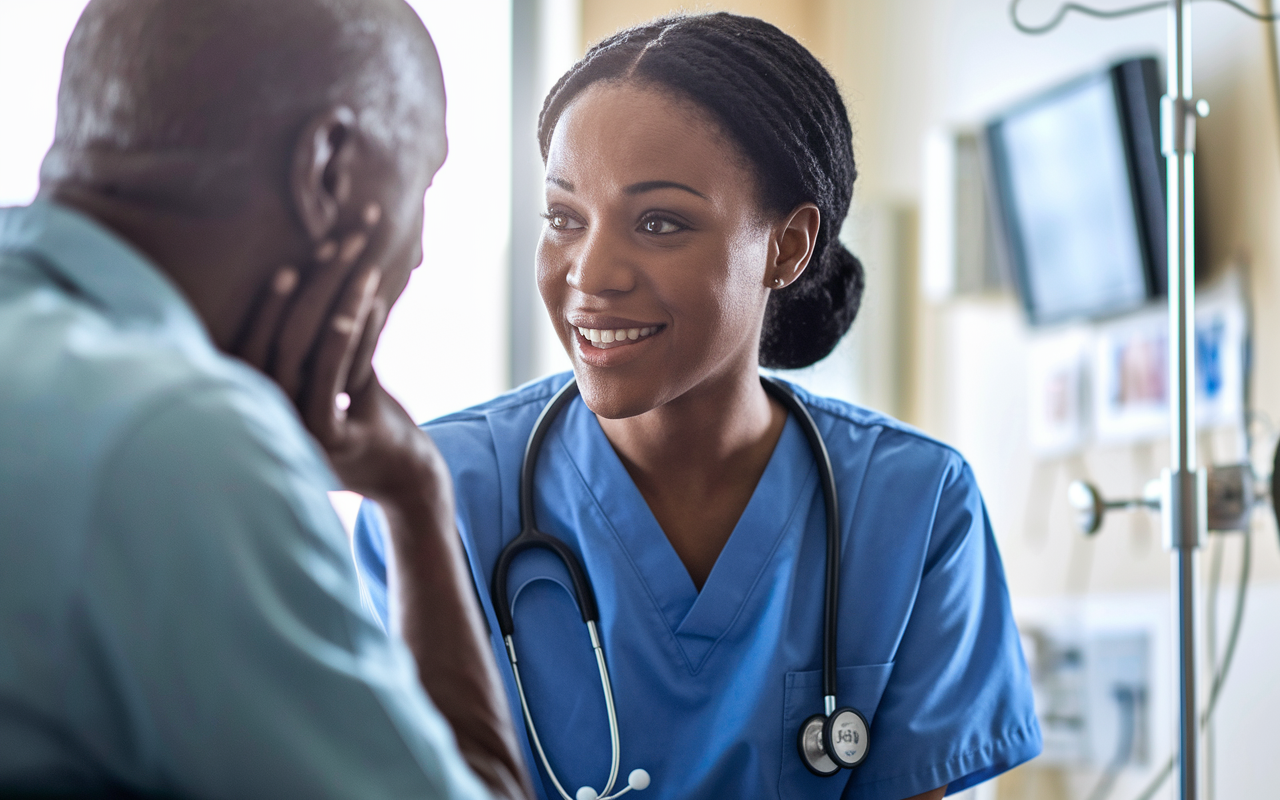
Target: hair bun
column 804, row 322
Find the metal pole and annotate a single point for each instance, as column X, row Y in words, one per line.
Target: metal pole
column 1184, row 504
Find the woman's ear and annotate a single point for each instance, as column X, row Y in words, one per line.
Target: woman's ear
column 793, row 243
column 323, row 159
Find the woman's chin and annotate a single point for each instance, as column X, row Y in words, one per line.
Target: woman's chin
column 615, row 397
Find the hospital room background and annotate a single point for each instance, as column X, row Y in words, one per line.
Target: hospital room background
column 1035, row 400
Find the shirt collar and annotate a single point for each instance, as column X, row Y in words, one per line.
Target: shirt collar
column 101, row 265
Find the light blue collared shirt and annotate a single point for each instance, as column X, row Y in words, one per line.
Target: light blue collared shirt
column 179, row 613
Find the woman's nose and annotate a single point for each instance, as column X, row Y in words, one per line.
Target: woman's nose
column 601, row 266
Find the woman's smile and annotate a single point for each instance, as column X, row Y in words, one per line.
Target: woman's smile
column 611, row 341
column 609, row 338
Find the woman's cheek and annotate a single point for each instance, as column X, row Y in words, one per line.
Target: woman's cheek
column 550, row 280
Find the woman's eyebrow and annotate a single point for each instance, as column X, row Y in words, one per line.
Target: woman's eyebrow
column 635, row 188
column 649, row 186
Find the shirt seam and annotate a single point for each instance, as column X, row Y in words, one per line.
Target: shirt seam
column 529, row 396
column 825, row 405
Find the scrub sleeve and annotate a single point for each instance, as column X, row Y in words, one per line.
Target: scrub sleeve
column 957, row 709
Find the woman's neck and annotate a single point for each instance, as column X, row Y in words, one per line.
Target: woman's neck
column 697, row 460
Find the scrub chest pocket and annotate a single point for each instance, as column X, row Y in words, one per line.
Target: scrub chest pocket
column 860, row 687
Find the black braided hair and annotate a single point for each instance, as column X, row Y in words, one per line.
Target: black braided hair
column 782, row 108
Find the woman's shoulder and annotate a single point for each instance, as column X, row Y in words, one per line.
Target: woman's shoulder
column 509, row 414
column 865, row 435
column 534, row 393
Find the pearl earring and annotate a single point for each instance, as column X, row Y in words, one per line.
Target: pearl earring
column 777, row 283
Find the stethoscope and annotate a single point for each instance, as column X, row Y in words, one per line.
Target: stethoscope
column 828, row 742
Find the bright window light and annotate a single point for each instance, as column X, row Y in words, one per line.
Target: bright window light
column 33, row 36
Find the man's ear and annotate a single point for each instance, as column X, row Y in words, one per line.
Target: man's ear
column 323, row 159
column 793, row 244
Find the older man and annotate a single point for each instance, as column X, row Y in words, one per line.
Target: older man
column 232, row 203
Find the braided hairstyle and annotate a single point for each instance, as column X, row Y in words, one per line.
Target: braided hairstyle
column 782, row 108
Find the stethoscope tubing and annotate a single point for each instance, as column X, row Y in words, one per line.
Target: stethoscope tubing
column 615, row 743
column 530, row 537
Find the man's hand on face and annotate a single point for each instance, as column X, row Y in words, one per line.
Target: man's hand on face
column 315, row 337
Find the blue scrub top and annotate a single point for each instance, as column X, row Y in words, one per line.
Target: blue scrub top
column 712, row 687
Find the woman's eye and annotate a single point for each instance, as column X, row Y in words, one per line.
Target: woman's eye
column 658, row 225
column 561, row 221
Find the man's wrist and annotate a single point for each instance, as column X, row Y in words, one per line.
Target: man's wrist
column 412, row 472
column 416, row 485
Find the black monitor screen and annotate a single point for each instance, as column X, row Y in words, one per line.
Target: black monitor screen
column 1068, row 195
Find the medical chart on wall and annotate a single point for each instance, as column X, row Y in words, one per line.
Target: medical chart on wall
column 1109, row 382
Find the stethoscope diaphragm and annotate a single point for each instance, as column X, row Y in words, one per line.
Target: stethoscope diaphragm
column 835, row 741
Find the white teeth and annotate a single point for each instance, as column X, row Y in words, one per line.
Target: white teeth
column 599, row 336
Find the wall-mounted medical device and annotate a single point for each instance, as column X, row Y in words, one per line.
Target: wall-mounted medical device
column 1078, row 183
column 1229, row 493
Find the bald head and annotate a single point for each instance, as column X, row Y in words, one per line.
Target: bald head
column 210, row 86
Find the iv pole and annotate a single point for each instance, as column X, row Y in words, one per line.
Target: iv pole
column 1183, row 500
column 1183, row 497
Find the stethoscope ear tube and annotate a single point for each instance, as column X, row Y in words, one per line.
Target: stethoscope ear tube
column 530, row 537
column 831, row 601
column 527, row 540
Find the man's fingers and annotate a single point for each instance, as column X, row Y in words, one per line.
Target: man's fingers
column 315, row 303
column 254, row 342
column 362, row 361
column 336, row 346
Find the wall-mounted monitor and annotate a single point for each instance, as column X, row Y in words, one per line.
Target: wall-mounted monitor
column 1078, row 182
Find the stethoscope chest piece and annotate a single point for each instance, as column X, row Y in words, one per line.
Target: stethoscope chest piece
column 831, row 742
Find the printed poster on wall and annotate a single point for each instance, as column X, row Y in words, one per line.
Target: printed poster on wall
column 1131, row 377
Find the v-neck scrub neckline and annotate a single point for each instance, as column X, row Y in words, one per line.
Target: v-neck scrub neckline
column 711, row 686
column 697, row 619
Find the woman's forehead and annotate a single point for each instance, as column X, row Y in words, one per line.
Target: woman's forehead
column 626, row 132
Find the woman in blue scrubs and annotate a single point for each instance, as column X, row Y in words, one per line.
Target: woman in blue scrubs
column 698, row 171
